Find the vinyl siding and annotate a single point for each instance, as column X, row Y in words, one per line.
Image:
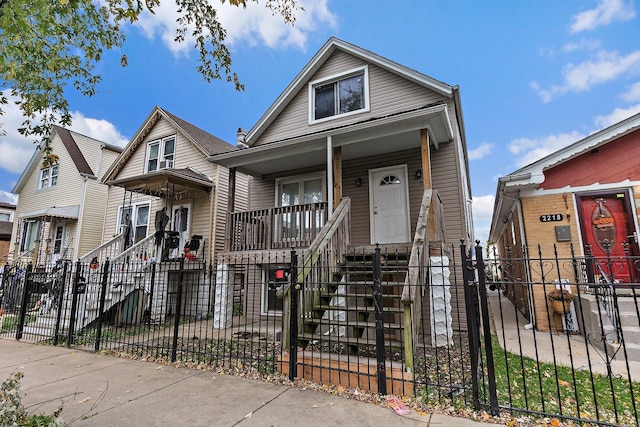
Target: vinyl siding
column 389, row 94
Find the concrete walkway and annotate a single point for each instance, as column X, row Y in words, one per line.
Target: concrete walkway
column 550, row 347
column 98, row 390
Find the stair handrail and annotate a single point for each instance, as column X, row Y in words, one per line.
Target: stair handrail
column 142, row 246
column 338, row 222
column 412, row 301
column 102, row 249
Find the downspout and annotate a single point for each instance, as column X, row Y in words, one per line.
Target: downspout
column 76, row 247
column 532, row 311
column 329, row 176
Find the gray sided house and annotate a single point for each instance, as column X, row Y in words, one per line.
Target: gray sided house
column 61, row 207
column 357, row 151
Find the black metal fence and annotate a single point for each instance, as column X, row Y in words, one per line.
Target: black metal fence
column 564, row 342
column 488, row 334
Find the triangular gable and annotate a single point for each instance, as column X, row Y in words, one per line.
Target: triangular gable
column 70, row 144
column 534, row 172
column 204, row 142
column 612, row 162
column 300, row 81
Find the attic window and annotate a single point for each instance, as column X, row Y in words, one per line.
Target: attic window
column 339, row 95
column 160, row 154
column 48, row 177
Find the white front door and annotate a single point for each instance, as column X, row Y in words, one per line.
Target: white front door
column 388, row 192
column 59, row 241
column 181, row 223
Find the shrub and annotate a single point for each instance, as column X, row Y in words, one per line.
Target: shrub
column 14, row 414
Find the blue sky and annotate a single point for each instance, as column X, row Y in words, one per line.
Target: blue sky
column 534, row 75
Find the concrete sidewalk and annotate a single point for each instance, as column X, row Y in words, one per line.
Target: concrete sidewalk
column 100, row 390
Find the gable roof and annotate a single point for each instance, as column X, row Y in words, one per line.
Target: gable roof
column 205, row 142
column 332, row 45
column 72, row 147
column 532, row 175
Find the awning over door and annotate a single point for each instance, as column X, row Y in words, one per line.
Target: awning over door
column 70, row 212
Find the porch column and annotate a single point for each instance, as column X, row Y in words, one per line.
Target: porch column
column 426, row 159
column 330, row 177
column 337, row 176
column 231, row 205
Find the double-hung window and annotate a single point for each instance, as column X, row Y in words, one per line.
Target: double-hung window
column 160, row 153
column 48, row 177
column 135, row 220
column 30, row 230
column 339, row 95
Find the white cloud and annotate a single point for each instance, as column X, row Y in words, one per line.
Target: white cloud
column 584, row 44
column 529, row 150
column 483, row 150
column 616, row 116
column 482, row 211
column 16, row 150
column 634, row 93
column 99, row 129
column 605, row 13
column 603, row 67
column 253, row 25
column 5, row 196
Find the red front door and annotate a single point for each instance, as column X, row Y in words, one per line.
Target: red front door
column 606, row 227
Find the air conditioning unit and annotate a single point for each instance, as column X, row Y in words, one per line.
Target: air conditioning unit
column 166, row 164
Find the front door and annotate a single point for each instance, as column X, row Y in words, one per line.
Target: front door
column 607, row 225
column 59, row 242
column 388, row 191
column 181, row 224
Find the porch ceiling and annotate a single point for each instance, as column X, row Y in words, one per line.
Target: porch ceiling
column 165, row 181
column 369, row 138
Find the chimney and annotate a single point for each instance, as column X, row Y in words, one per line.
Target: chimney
column 240, row 138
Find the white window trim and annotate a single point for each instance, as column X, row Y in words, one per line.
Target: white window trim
column 134, row 206
column 332, row 79
column 49, row 178
column 161, row 145
column 298, row 178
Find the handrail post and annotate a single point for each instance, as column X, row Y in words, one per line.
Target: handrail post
column 103, row 294
column 293, row 317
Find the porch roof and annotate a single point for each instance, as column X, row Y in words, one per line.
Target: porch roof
column 70, row 212
column 370, row 137
column 158, row 183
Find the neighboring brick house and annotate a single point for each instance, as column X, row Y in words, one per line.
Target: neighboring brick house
column 586, row 195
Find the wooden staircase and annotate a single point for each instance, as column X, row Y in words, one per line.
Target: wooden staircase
column 342, row 316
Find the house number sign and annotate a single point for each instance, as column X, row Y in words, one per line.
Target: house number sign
column 551, row 217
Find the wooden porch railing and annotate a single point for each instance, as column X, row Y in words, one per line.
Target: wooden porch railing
column 319, row 264
column 276, row 228
column 109, row 249
column 430, row 225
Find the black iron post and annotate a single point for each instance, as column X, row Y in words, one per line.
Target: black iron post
column 174, row 347
column 151, row 290
column 26, row 291
column 103, row 295
column 293, row 317
column 488, row 347
column 472, row 328
column 62, row 284
column 74, row 302
column 380, row 348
